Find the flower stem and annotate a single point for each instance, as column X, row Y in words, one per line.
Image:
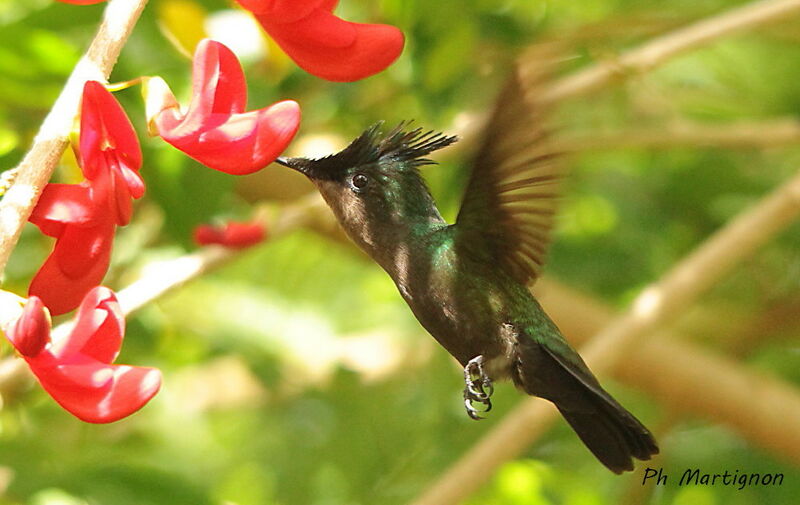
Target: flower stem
column 36, row 168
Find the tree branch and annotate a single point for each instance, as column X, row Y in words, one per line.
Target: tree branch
column 687, row 378
column 654, row 307
column 35, row 169
column 751, row 134
column 661, row 49
column 162, row 277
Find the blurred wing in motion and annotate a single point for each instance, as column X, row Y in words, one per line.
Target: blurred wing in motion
column 512, row 193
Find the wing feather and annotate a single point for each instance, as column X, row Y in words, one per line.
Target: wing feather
column 512, row 194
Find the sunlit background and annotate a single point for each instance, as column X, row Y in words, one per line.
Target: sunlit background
column 296, row 374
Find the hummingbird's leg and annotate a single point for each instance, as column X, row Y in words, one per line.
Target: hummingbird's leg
column 478, row 388
column 474, row 413
column 473, row 373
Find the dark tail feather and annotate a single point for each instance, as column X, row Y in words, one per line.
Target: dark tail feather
column 610, row 432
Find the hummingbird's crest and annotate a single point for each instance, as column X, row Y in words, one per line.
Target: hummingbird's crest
column 411, row 145
column 399, row 144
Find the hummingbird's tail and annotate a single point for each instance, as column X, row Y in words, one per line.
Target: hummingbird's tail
column 612, row 433
column 607, row 429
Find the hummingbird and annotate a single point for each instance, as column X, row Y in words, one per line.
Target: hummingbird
column 468, row 282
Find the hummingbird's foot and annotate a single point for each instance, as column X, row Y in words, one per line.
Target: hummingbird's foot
column 478, row 389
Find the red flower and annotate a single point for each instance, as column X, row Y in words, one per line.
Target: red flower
column 79, row 261
column 76, row 369
column 216, row 130
column 323, row 44
column 110, row 155
column 31, row 332
column 82, row 217
column 232, row 234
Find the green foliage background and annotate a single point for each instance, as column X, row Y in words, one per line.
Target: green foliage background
column 296, row 375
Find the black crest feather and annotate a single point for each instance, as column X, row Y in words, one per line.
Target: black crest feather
column 411, row 145
column 398, row 144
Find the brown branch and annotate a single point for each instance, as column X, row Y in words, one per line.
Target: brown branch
column 37, row 166
column 689, row 379
column 642, row 59
column 774, row 133
column 162, row 277
column 654, row 307
column 661, row 49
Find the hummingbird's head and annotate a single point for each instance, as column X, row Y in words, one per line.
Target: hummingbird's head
column 374, row 186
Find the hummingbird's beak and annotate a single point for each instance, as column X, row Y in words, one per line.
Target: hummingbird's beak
column 302, row 165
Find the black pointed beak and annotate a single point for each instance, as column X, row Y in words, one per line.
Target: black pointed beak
column 302, row 165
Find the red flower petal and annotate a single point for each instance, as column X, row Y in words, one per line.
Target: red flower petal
column 105, row 127
column 218, row 83
column 122, row 201
column 127, row 390
column 131, row 389
column 62, row 204
column 320, row 29
column 79, row 373
column 78, row 249
column 99, row 328
column 232, row 234
column 111, row 195
column 31, row 332
column 78, row 263
column 218, row 91
column 133, row 181
column 286, row 11
column 76, row 371
column 245, row 143
column 332, row 48
column 215, row 131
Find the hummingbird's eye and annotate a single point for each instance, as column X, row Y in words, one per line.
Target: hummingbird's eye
column 360, row 181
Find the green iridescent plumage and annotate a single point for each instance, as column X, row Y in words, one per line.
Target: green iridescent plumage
column 467, row 283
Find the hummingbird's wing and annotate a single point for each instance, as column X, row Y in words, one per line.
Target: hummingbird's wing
column 511, row 196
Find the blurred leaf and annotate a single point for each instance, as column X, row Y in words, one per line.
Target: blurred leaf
column 695, row 495
column 271, row 394
column 9, row 139
column 183, row 23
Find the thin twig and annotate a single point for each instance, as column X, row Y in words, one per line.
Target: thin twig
column 37, row 166
column 687, row 378
column 661, row 49
column 641, row 59
column 751, row 134
column 737, row 135
column 654, row 307
column 162, row 277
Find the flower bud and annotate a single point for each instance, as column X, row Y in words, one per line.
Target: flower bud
column 31, row 332
column 232, row 234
